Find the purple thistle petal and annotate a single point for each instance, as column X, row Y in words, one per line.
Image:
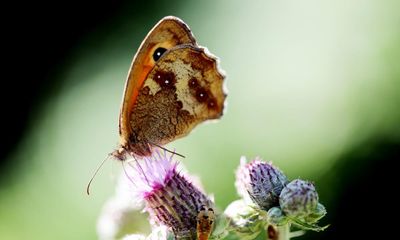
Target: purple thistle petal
column 170, row 197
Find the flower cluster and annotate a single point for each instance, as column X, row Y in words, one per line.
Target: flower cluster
column 179, row 209
column 281, row 202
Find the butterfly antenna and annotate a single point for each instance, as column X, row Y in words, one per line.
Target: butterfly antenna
column 165, row 149
column 95, row 173
column 126, row 173
column 140, row 168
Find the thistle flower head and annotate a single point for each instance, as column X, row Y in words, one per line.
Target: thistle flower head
column 151, row 173
column 170, row 198
column 260, row 181
column 299, row 199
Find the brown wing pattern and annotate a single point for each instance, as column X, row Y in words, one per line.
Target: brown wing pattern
column 184, row 88
column 168, row 33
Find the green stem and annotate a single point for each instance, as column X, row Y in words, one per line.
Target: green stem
column 284, row 232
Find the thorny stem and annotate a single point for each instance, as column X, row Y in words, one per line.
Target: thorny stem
column 278, row 233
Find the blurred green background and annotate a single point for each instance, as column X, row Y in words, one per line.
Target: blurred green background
column 313, row 86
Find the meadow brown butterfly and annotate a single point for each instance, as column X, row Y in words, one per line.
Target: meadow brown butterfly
column 173, row 85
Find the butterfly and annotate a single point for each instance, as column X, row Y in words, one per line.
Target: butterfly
column 173, row 85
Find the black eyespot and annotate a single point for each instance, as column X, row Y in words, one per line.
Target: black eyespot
column 158, row 53
column 193, row 83
column 201, row 95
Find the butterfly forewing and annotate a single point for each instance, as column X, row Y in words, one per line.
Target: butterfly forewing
column 184, row 88
column 166, row 34
column 173, row 85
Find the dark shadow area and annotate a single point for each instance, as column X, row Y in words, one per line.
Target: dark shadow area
column 361, row 191
column 40, row 39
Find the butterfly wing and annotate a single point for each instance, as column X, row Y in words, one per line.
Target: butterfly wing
column 166, row 34
column 184, row 88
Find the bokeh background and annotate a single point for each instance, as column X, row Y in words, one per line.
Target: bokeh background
column 314, row 86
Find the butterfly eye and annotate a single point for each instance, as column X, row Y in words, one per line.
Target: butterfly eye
column 158, row 53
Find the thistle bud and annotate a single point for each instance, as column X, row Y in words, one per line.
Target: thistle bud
column 170, row 198
column 298, row 199
column 261, row 182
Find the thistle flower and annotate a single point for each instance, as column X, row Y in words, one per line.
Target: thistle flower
column 170, row 198
column 299, row 199
column 261, row 182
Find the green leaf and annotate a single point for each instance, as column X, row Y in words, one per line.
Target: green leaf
column 308, row 226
